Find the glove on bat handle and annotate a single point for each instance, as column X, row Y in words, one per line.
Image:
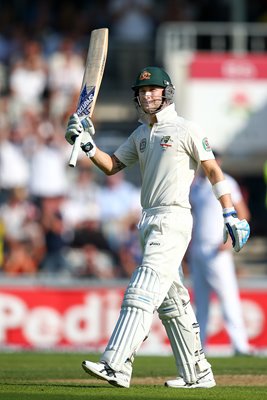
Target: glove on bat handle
column 76, row 146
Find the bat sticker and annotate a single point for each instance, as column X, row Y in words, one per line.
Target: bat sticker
column 85, row 101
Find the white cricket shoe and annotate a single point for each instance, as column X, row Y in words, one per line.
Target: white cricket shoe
column 103, row 371
column 206, row 380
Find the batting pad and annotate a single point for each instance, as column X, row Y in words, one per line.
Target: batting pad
column 135, row 318
column 201, row 362
column 181, row 334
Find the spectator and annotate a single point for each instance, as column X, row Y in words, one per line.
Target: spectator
column 23, row 238
column 83, row 199
column 48, row 165
column 211, row 261
column 28, row 77
column 132, row 29
column 65, row 73
column 90, row 253
column 119, row 201
column 96, row 259
column 56, row 237
column 14, row 168
column 130, row 252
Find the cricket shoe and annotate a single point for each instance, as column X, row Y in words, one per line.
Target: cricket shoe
column 103, row 371
column 206, row 380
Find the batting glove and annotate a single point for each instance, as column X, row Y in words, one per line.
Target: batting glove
column 89, row 147
column 75, row 128
column 238, row 230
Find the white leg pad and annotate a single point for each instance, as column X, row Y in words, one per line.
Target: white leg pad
column 135, row 318
column 180, row 331
column 200, row 359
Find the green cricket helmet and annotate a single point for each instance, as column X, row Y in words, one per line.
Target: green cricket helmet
column 154, row 76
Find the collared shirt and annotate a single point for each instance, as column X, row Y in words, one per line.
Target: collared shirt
column 169, row 154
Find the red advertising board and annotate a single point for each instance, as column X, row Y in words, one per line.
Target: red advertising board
column 228, row 66
column 54, row 318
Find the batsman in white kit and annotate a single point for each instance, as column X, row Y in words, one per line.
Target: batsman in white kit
column 169, row 150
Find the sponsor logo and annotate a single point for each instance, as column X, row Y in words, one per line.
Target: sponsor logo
column 206, row 145
column 85, row 101
column 239, row 69
column 144, row 75
column 142, row 145
column 166, row 141
column 154, row 244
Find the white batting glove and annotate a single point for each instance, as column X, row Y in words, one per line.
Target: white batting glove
column 89, row 147
column 75, row 128
column 238, row 230
column 87, row 143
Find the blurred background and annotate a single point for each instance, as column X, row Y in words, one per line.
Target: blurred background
column 74, row 229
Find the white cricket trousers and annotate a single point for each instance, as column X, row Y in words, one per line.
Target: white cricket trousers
column 213, row 271
column 165, row 233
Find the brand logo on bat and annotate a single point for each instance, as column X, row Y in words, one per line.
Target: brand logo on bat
column 85, row 101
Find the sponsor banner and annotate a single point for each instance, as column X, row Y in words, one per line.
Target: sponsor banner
column 224, row 92
column 228, row 66
column 51, row 318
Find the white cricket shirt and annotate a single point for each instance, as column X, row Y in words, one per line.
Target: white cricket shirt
column 169, row 154
column 207, row 212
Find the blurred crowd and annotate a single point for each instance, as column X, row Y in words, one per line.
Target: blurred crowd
column 69, row 222
column 54, row 219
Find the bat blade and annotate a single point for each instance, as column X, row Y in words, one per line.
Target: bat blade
column 93, row 74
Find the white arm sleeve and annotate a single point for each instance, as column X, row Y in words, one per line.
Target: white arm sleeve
column 221, row 188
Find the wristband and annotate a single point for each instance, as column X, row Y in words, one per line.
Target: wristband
column 221, row 188
column 89, row 148
column 229, row 212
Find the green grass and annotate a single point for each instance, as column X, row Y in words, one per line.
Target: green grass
column 53, row 376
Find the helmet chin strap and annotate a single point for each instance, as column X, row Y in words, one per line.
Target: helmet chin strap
column 163, row 102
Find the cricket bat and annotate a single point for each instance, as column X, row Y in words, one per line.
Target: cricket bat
column 93, row 73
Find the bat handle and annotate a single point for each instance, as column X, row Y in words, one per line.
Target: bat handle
column 75, row 151
column 77, row 145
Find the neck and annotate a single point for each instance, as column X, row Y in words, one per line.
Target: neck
column 152, row 119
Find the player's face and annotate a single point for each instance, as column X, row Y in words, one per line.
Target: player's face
column 150, row 98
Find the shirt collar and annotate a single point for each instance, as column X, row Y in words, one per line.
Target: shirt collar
column 167, row 114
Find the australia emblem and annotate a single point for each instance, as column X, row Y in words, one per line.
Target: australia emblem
column 166, row 141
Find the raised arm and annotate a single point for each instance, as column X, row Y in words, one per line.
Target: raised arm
column 109, row 164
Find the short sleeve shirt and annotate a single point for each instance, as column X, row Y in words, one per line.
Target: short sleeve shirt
column 169, row 154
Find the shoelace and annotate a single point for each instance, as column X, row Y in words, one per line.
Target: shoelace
column 108, row 370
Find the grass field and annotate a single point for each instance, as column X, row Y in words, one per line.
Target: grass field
column 53, row 376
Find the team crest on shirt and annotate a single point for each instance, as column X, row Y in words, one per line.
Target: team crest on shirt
column 166, row 141
column 206, row 145
column 142, row 145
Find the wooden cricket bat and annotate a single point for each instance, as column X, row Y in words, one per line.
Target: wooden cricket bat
column 93, row 73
